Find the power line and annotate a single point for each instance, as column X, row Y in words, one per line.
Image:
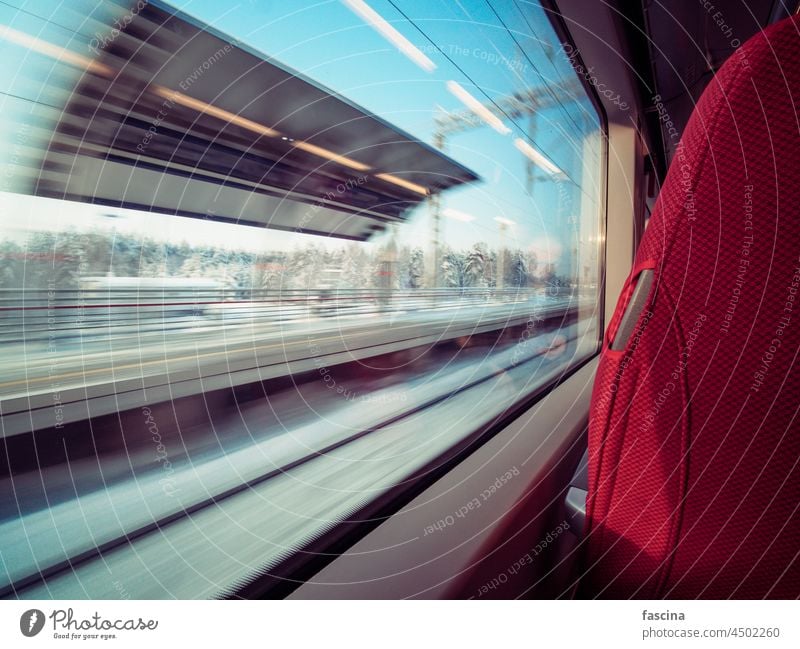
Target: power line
column 480, row 88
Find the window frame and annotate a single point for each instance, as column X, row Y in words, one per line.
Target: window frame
column 286, row 577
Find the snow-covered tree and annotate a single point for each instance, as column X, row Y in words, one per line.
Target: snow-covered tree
column 516, row 269
column 191, row 267
column 356, row 267
column 269, row 272
column 304, row 267
column 477, row 265
column 415, row 270
column 11, row 257
column 454, row 269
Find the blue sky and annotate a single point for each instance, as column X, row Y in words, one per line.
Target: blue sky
column 331, row 44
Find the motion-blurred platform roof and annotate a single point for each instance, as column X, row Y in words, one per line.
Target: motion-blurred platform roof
column 171, row 117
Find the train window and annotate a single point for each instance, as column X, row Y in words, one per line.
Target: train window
column 277, row 258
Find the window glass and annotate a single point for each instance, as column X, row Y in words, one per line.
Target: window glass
column 236, row 238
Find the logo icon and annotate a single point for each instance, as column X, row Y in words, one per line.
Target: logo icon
column 31, row 622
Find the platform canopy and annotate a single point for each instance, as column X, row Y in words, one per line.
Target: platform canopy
column 170, row 116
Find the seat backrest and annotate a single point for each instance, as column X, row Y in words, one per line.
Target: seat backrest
column 694, row 439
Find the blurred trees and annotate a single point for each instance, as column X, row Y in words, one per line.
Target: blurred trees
column 50, row 259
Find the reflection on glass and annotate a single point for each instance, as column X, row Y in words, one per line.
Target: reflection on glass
column 348, row 210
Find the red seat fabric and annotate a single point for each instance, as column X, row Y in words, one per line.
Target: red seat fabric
column 694, row 439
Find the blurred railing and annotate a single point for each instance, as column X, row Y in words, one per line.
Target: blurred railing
column 39, row 314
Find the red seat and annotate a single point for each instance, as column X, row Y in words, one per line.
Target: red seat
column 694, row 439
